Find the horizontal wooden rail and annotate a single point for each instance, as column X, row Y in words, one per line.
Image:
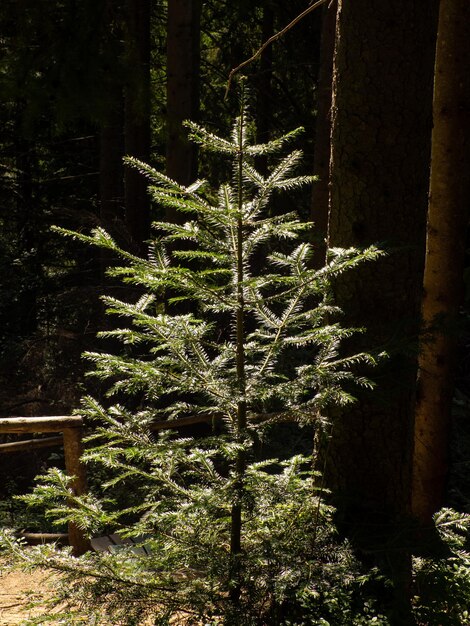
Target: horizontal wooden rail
column 190, row 420
column 31, row 444
column 71, row 427
column 36, row 539
column 182, row 421
column 52, row 424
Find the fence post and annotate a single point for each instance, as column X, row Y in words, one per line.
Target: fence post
column 74, row 467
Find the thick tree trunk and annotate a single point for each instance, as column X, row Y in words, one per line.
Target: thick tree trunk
column 183, row 35
column 379, row 181
column 321, row 156
column 381, row 130
column 449, row 200
column 137, row 120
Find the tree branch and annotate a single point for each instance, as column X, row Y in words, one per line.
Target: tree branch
column 271, row 40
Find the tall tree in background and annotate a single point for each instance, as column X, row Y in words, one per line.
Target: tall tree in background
column 111, row 186
column 264, row 84
column 49, row 86
column 183, row 42
column 29, row 236
column 137, row 119
column 77, row 70
column 381, row 131
column 449, row 200
column 321, row 156
column 111, row 125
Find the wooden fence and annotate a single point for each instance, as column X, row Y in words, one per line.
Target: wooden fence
column 71, row 428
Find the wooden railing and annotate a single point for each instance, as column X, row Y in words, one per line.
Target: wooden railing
column 71, row 428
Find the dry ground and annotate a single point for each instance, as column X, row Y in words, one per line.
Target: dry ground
column 15, row 591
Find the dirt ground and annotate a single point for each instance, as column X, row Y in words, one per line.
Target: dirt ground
column 16, row 589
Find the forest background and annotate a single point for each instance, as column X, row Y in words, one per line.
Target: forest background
column 84, row 84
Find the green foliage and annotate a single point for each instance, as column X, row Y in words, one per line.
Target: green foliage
column 298, row 571
column 442, row 585
column 233, row 324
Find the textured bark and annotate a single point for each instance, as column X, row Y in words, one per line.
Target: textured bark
column 137, row 120
column 183, row 35
column 382, row 95
column 449, row 200
column 321, row 157
column 379, row 173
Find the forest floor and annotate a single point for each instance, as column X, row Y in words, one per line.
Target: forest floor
column 17, row 592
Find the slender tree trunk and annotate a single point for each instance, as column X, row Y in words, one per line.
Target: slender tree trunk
column 137, row 120
column 111, row 170
column 321, row 156
column 264, row 88
column 449, row 200
column 241, row 423
column 381, row 130
column 183, row 35
column 111, row 189
column 28, row 236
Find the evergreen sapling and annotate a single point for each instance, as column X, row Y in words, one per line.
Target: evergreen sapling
column 235, row 326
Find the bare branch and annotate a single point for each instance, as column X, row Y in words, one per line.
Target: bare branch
column 271, row 40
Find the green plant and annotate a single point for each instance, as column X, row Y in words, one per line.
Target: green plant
column 234, row 325
column 442, row 584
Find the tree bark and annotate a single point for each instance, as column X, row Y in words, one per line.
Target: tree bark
column 379, row 180
column 379, row 173
column 449, row 199
column 183, row 35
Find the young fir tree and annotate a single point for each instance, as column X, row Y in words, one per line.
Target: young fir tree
column 230, row 539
